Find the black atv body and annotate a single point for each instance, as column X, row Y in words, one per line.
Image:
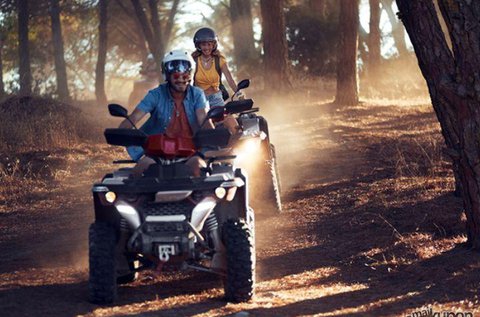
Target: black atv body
column 169, row 217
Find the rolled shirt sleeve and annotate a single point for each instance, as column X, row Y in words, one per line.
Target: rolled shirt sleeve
column 149, row 102
column 147, row 105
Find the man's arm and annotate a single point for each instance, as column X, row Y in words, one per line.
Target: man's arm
column 135, row 117
column 201, row 115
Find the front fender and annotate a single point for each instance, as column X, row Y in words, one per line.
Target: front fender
column 238, row 207
column 105, row 212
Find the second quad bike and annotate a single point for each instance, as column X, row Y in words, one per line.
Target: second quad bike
column 261, row 162
column 170, row 217
column 256, row 154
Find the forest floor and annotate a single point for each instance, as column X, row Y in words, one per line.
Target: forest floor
column 370, row 226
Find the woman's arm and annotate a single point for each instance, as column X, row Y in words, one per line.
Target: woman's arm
column 229, row 77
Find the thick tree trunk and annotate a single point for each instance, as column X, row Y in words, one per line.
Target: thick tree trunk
column 374, row 37
column 347, row 87
column 274, row 45
column 398, row 31
column 453, row 84
column 2, row 86
column 60, row 68
column 242, row 33
column 23, row 49
column 102, row 53
column 318, row 6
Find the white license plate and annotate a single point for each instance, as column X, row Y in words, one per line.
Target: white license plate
column 164, row 251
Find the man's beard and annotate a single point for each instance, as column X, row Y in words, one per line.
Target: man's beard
column 180, row 83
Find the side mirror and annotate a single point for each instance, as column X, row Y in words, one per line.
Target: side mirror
column 117, row 110
column 243, row 84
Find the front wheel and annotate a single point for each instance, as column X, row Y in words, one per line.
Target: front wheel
column 240, row 249
column 102, row 284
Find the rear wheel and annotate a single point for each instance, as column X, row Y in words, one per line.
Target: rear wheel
column 240, row 250
column 269, row 181
column 102, row 284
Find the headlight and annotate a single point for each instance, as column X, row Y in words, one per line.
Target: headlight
column 250, row 146
column 110, row 197
column 220, row 192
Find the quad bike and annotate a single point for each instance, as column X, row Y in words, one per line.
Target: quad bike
column 168, row 218
column 257, row 156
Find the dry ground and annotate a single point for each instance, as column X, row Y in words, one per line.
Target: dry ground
column 370, row 228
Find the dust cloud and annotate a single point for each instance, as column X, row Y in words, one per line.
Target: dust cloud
column 296, row 127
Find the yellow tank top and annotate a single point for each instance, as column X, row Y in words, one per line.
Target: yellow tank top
column 206, row 78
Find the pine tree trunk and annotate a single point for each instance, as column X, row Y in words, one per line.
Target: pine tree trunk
column 242, row 33
column 60, row 68
column 274, row 45
column 452, row 81
column 23, row 48
column 347, row 87
column 374, row 37
column 2, row 86
column 318, row 6
column 102, row 53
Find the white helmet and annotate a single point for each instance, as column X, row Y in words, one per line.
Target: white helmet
column 176, row 61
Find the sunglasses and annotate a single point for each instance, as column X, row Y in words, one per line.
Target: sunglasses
column 184, row 76
column 178, row 66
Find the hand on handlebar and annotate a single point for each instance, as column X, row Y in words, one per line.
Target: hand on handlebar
column 239, row 95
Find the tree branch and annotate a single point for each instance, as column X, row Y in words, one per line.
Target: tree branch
column 170, row 21
column 147, row 31
column 157, row 30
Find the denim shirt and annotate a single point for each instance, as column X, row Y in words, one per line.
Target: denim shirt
column 159, row 103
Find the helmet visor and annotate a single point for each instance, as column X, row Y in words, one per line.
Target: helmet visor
column 178, row 66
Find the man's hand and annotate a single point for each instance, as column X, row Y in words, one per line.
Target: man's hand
column 239, row 95
column 231, row 124
column 201, row 115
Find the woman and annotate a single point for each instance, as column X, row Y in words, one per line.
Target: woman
column 210, row 65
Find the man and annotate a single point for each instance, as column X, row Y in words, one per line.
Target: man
column 176, row 109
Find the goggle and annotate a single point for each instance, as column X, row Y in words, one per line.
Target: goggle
column 177, row 66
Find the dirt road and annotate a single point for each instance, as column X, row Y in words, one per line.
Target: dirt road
column 370, row 228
